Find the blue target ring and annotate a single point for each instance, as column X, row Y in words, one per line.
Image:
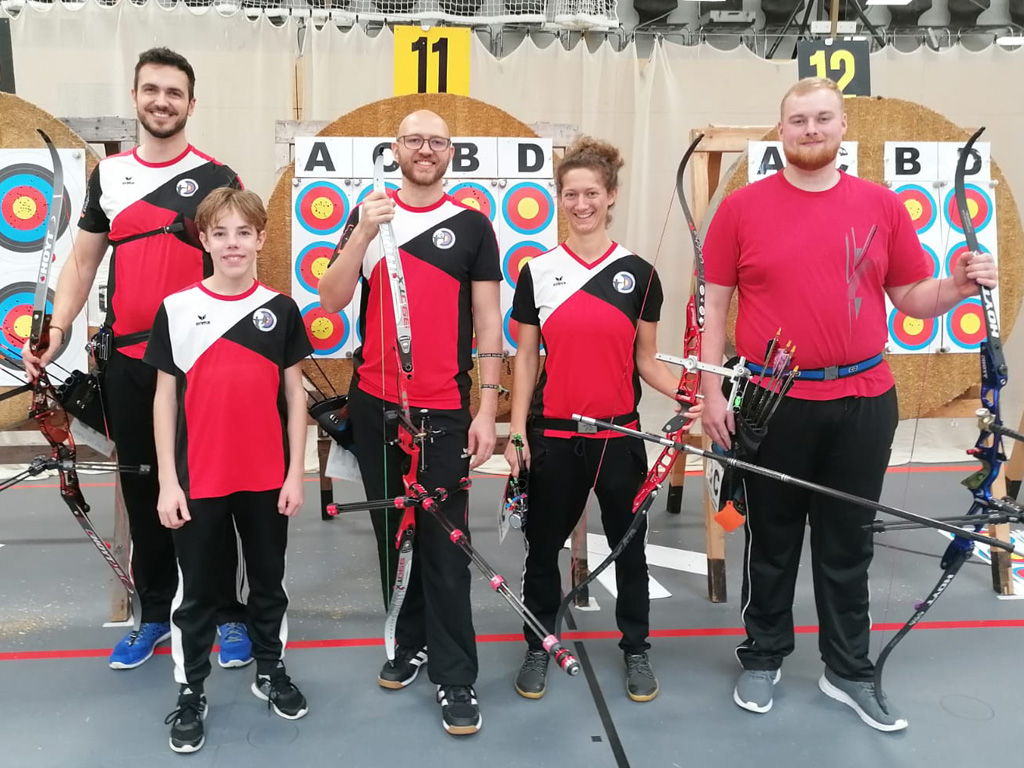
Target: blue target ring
column 16, row 321
column 528, row 208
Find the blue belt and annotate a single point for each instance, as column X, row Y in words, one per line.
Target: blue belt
column 831, row 373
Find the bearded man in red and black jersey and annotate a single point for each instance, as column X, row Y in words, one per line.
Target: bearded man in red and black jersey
column 449, row 257
column 815, row 252
column 142, row 204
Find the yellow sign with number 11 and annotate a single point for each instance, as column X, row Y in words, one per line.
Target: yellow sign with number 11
column 435, row 60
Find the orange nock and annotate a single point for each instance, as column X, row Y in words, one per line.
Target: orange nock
column 730, row 518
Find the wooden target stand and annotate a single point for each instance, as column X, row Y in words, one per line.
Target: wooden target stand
column 705, row 178
column 115, row 134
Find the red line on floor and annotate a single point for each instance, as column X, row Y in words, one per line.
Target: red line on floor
column 362, row 642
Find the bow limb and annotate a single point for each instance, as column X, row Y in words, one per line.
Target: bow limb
column 988, row 449
column 686, row 394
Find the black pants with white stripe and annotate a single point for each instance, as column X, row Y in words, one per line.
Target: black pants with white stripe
column 843, row 444
column 436, row 611
column 264, row 535
column 129, row 386
column 562, row 472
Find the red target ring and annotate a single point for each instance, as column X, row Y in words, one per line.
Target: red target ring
column 965, row 324
column 321, row 208
column 312, row 263
column 528, row 208
column 327, row 331
column 956, row 252
column 919, row 204
column 912, row 333
column 475, row 196
column 517, row 257
column 25, row 191
column 979, row 205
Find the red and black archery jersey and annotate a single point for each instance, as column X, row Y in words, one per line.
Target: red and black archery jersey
column 443, row 248
column 228, row 355
column 588, row 315
column 132, row 201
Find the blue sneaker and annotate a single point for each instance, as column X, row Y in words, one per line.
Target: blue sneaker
column 235, row 646
column 137, row 646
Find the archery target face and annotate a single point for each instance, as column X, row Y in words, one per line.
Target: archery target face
column 936, row 265
column 312, row 263
column 920, row 204
column 511, row 329
column 16, row 299
column 25, row 192
column 979, row 204
column 327, row 331
column 321, row 208
column 910, row 333
column 965, row 324
column 474, row 195
column 517, row 256
column 528, row 208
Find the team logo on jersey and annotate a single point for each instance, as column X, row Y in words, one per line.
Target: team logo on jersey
column 201, row 320
column 558, row 281
column 624, row 282
column 444, row 238
column 187, row 187
column 264, row 319
column 128, row 181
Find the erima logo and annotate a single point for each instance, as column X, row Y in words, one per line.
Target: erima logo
column 558, row 281
column 187, row 187
column 128, row 181
column 443, row 238
column 624, row 282
column 264, row 319
column 202, row 320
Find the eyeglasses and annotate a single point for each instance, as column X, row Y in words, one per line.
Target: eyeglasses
column 436, row 143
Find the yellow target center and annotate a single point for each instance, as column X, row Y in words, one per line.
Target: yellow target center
column 528, row 208
column 524, row 262
column 319, row 267
column 24, row 207
column 23, row 326
column 972, row 208
column 913, row 326
column 914, row 208
column 472, row 202
column 322, row 208
column 970, row 324
column 321, row 328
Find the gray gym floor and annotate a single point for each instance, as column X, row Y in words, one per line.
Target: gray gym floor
column 958, row 684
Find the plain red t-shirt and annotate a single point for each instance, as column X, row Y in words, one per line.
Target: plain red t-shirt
column 799, row 261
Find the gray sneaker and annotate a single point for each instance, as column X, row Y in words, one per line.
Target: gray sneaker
column 754, row 687
column 641, row 684
column 531, row 682
column 859, row 695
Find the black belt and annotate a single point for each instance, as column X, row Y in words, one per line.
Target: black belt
column 571, row 425
column 170, row 229
column 831, row 373
column 130, row 339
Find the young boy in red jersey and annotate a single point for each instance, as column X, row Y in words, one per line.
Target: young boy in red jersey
column 209, row 341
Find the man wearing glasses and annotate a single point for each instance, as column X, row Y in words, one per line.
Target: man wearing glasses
column 449, row 257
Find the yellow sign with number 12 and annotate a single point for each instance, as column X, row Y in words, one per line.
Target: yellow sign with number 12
column 432, row 60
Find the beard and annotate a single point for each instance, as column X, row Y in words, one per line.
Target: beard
column 808, row 158
column 162, row 133
column 422, row 177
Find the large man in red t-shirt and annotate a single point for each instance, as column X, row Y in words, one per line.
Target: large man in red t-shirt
column 815, row 251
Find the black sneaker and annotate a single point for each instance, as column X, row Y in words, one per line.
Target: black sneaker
column 641, row 684
column 187, row 721
column 460, row 714
column 280, row 693
column 403, row 670
column 531, row 681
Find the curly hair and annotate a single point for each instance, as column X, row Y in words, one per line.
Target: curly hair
column 594, row 154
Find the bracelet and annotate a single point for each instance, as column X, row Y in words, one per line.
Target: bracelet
column 491, row 354
column 58, row 328
column 490, row 386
